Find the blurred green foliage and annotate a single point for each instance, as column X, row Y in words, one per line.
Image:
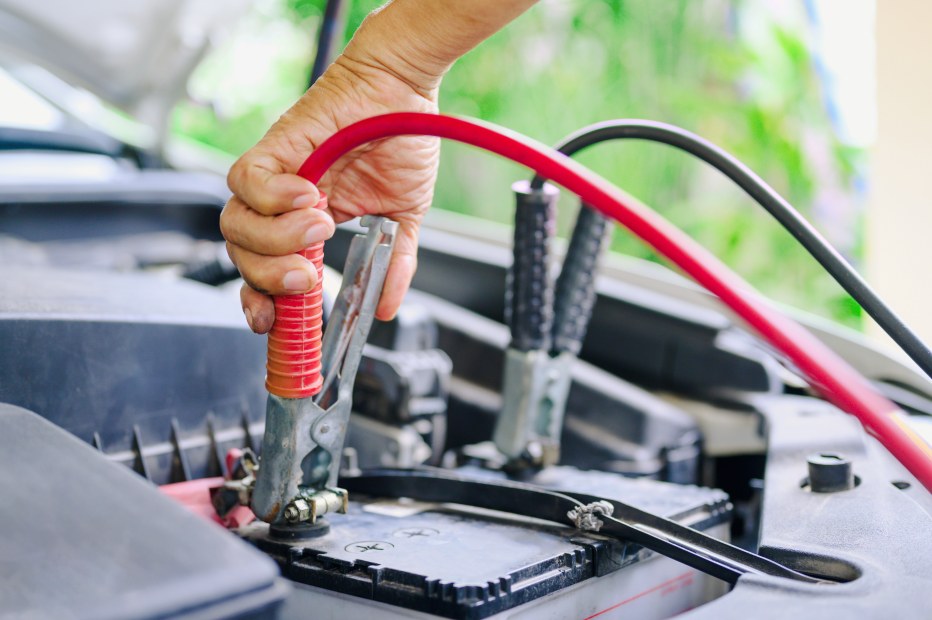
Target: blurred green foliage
column 566, row 64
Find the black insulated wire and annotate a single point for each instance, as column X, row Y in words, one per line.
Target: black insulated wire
column 664, row 536
column 817, row 246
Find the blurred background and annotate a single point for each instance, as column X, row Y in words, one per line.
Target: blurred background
column 779, row 84
column 827, row 100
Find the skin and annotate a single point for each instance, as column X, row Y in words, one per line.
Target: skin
column 394, row 63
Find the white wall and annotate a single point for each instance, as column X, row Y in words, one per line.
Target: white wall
column 899, row 219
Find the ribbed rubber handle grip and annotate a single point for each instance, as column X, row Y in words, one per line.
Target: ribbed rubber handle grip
column 575, row 293
column 529, row 293
column 293, row 366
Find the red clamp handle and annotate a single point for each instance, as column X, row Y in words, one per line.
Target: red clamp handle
column 293, row 367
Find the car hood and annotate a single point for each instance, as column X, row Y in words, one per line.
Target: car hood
column 136, row 55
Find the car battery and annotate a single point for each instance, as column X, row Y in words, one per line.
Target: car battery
column 391, row 558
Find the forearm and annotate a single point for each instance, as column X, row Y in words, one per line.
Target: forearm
column 418, row 40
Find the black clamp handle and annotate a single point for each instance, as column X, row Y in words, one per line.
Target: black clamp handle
column 529, row 291
column 539, row 317
column 575, row 295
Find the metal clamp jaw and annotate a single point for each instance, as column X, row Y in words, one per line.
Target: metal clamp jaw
column 534, row 393
column 303, row 443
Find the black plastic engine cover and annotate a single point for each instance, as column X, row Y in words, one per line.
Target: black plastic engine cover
column 87, row 538
column 139, row 364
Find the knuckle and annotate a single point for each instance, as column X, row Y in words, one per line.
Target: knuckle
column 227, row 226
column 232, row 252
column 237, row 174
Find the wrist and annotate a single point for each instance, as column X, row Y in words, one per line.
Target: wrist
column 388, row 43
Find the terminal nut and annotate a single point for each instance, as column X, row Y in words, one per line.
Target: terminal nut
column 297, row 511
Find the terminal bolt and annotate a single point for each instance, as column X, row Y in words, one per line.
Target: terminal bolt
column 310, row 507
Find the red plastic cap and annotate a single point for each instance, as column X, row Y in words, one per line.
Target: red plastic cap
column 293, row 369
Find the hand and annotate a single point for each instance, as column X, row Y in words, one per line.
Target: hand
column 271, row 215
column 393, row 64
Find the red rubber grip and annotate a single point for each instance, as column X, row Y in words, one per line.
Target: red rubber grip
column 293, row 367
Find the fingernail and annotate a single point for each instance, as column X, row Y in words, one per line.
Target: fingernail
column 304, row 201
column 317, row 232
column 249, row 320
column 297, row 281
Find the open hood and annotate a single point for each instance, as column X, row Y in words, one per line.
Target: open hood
column 135, row 55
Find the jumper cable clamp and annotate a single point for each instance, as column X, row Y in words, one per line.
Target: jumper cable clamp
column 548, row 323
column 310, row 382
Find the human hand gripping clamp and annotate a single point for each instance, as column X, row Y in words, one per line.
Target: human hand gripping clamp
column 310, row 381
column 547, row 325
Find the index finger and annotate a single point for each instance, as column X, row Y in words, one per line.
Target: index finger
column 400, row 270
column 258, row 179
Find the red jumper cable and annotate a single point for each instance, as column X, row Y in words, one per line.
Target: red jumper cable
column 828, row 373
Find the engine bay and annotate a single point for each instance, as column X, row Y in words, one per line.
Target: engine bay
column 120, row 325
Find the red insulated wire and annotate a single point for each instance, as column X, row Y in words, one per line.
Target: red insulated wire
column 294, row 343
column 828, row 373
